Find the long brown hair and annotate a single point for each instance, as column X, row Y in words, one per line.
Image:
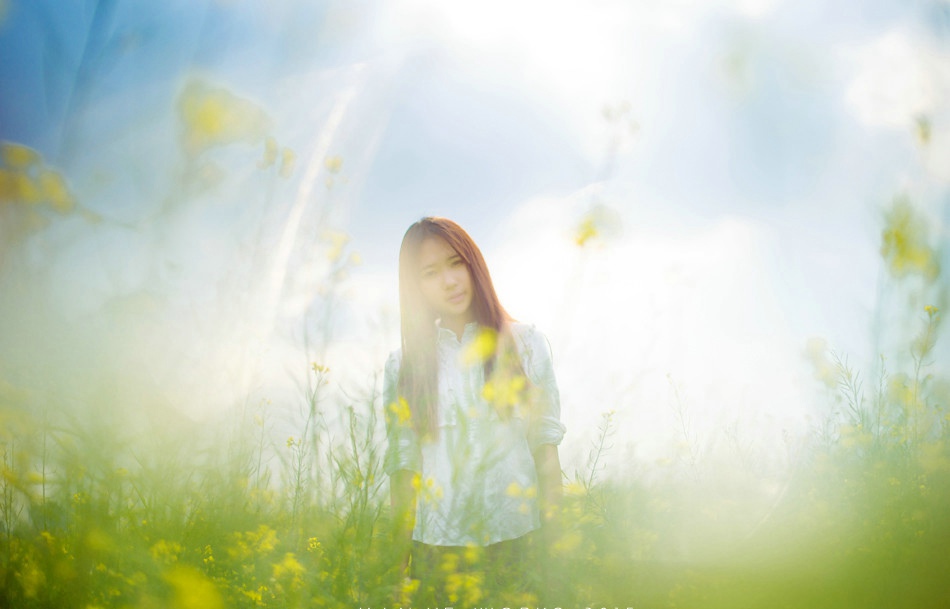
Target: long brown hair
column 418, row 374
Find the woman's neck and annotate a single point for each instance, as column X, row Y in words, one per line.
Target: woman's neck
column 456, row 324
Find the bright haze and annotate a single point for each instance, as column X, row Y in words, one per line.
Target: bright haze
column 686, row 196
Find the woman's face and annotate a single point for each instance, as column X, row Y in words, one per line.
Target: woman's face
column 445, row 280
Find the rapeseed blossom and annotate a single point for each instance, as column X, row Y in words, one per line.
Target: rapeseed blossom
column 505, row 393
column 288, row 160
column 289, row 570
column 904, row 242
column 400, row 410
column 213, row 116
column 481, row 348
column 26, row 179
column 270, row 153
column 192, row 589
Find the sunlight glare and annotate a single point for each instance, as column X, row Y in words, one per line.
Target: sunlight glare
column 695, row 309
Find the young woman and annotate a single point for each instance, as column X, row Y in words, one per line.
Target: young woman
column 472, row 413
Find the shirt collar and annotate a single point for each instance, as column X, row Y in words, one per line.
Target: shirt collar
column 467, row 332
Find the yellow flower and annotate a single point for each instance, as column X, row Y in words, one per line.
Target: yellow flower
column 165, row 551
column 575, row 489
column 598, row 224
column 333, row 163
column 263, row 540
column 213, row 116
column 504, row 392
column 18, row 156
column 407, row 588
column 931, row 310
column 55, row 192
column 31, row 577
column 18, row 186
column 289, row 568
column 193, row 590
column 287, row 160
column 900, row 391
column 337, row 241
column 270, row 152
column 8, row 185
column 466, row 586
column 266, row 538
column 481, row 348
column 585, row 231
column 428, row 490
column 254, row 595
column 29, row 191
column 904, row 244
column 515, row 490
column 450, row 562
column 400, row 409
column 473, row 553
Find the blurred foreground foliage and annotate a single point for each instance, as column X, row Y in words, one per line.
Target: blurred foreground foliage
column 100, row 509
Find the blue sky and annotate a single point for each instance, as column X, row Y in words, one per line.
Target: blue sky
column 743, row 151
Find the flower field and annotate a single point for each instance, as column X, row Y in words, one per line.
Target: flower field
column 103, row 506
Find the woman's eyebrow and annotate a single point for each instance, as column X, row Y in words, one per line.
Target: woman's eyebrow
column 451, row 258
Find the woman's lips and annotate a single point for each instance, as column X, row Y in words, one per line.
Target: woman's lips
column 457, row 298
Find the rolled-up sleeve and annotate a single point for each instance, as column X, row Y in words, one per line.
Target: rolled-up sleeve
column 544, row 421
column 402, row 450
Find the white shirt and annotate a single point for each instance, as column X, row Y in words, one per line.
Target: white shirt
column 477, row 479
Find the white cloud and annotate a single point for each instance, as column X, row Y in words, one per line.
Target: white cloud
column 897, row 78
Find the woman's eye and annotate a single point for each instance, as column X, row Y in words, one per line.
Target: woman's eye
column 457, row 262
